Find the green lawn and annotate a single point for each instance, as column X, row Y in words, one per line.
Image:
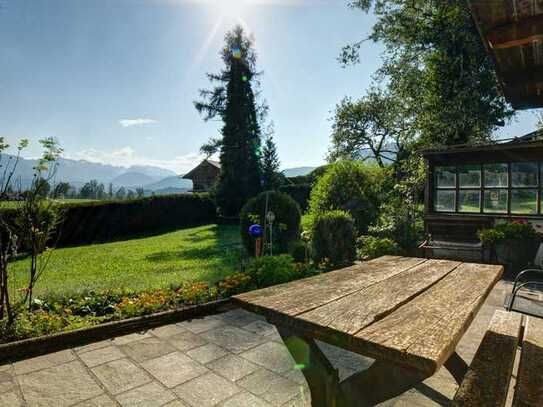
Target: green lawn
column 206, row 253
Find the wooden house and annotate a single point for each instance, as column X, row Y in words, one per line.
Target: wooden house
column 469, row 188
column 204, row 176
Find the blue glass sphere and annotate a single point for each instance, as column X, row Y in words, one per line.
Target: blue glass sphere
column 255, row 230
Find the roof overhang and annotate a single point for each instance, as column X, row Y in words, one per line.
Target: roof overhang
column 512, row 32
column 515, row 151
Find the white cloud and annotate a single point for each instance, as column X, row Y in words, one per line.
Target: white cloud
column 136, row 122
column 127, row 156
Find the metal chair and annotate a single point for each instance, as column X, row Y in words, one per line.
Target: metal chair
column 522, row 304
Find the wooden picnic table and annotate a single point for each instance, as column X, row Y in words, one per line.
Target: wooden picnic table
column 406, row 313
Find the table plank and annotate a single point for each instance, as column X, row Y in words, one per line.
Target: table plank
column 424, row 332
column 356, row 311
column 303, row 295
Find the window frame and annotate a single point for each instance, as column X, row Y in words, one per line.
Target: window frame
column 482, row 189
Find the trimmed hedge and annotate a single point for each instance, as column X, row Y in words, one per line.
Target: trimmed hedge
column 299, row 192
column 101, row 221
column 287, row 220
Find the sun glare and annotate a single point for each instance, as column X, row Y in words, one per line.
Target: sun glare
column 233, row 8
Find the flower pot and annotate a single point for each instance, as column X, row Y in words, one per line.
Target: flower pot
column 517, row 254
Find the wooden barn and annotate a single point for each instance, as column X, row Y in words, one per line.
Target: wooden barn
column 204, row 176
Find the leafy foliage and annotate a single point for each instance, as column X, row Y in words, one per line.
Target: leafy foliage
column 270, row 270
column 350, row 186
column 401, row 214
column 517, row 230
column 371, row 247
column 286, row 224
column 374, row 127
column 334, row 238
column 436, row 65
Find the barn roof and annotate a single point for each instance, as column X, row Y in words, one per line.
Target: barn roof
column 205, row 162
column 512, row 32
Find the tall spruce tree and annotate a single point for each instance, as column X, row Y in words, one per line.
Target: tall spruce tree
column 233, row 100
column 270, row 163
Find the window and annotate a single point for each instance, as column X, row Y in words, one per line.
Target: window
column 496, row 175
column 503, row 188
column 496, row 191
column 524, row 188
column 445, row 195
column 495, row 200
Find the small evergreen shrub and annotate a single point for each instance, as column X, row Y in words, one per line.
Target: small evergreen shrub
column 334, row 239
column 286, row 227
column 371, row 247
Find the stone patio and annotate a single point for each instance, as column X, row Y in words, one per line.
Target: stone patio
column 229, row 359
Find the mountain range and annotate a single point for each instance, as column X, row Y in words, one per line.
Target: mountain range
column 150, row 178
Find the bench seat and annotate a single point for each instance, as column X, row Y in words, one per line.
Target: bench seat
column 487, row 381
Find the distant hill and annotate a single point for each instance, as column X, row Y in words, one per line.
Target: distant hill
column 298, row 171
column 175, row 182
column 132, row 179
column 155, row 172
column 78, row 172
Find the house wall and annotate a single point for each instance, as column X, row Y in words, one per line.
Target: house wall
column 204, row 177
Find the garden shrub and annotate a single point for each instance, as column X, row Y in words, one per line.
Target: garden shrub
column 286, row 227
column 297, row 250
column 371, row 247
column 299, row 192
column 334, row 238
column 517, row 230
column 101, row 221
column 350, row 186
column 266, row 271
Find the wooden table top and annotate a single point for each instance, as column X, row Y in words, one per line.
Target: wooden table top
column 408, row 311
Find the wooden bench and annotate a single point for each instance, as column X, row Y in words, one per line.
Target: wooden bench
column 488, row 378
column 454, row 234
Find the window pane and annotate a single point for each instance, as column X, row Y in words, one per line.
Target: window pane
column 469, row 201
column 469, row 176
column 524, row 174
column 496, row 201
column 445, row 177
column 496, row 175
column 524, row 201
column 444, row 201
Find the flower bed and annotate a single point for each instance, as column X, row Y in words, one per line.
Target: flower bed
column 62, row 314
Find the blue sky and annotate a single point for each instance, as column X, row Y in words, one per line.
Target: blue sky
column 114, row 80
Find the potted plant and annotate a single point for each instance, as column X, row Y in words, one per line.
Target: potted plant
column 515, row 243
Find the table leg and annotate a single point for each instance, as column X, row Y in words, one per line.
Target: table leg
column 380, row 382
column 457, row 367
column 322, row 378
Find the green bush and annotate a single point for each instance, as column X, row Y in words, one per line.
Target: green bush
column 350, row 186
column 101, row 221
column 286, row 227
column 299, row 192
column 371, row 247
column 519, row 230
column 334, row 238
column 297, row 250
column 266, row 271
